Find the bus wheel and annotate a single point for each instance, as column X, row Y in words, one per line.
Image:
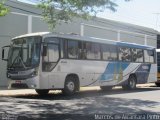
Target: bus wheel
column 42, row 92
column 70, row 86
column 131, row 83
column 106, row 88
column 157, row 84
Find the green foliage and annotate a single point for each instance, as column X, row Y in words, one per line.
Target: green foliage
column 55, row 11
column 3, row 10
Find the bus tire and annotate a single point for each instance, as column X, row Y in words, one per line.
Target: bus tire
column 106, row 88
column 70, row 86
column 132, row 81
column 42, row 92
column 157, row 84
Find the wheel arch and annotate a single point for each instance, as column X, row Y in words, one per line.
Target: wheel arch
column 129, row 85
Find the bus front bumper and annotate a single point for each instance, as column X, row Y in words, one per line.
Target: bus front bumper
column 31, row 83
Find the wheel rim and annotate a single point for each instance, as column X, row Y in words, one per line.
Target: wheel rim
column 70, row 86
column 132, row 83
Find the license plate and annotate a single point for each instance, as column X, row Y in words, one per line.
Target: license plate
column 18, row 81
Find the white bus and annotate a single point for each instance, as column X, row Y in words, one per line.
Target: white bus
column 47, row 61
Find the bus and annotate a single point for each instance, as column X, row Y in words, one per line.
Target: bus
column 48, row 61
column 158, row 68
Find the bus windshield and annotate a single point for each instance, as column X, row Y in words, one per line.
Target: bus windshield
column 24, row 52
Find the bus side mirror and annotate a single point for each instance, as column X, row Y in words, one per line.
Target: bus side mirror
column 44, row 53
column 5, row 51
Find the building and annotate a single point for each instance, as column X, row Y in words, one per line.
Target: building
column 25, row 18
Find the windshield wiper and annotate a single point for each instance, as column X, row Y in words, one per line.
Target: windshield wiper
column 22, row 62
column 15, row 59
column 19, row 57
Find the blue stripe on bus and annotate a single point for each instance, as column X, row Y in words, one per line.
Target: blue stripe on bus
column 113, row 69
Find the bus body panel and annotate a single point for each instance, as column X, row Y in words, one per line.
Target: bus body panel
column 97, row 73
column 85, row 70
column 153, row 73
column 32, row 83
column 43, row 80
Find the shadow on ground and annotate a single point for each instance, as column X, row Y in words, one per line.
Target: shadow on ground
column 83, row 94
column 84, row 105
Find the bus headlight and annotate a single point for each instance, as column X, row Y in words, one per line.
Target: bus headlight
column 33, row 86
column 8, row 75
column 35, row 72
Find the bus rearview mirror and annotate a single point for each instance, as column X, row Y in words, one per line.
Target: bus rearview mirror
column 2, row 54
column 5, row 51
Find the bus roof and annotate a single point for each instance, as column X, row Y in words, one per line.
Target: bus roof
column 31, row 34
column 89, row 39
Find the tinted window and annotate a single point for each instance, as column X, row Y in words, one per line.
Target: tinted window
column 149, row 56
column 51, row 40
column 124, row 54
column 92, row 50
column 51, row 59
column 72, row 49
column 109, row 52
column 52, row 53
column 137, row 55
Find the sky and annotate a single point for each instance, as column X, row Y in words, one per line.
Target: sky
column 139, row 12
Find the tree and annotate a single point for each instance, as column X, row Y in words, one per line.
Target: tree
column 3, row 10
column 55, row 11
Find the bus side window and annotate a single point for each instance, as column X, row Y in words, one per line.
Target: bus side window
column 124, row 54
column 76, row 49
column 109, row 52
column 105, row 52
column 93, row 51
column 149, row 56
column 51, row 58
column 72, row 49
column 65, row 48
column 137, row 55
column 113, row 53
column 81, row 54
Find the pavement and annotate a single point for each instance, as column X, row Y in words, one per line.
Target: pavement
column 26, row 104
column 18, row 92
column 5, row 93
